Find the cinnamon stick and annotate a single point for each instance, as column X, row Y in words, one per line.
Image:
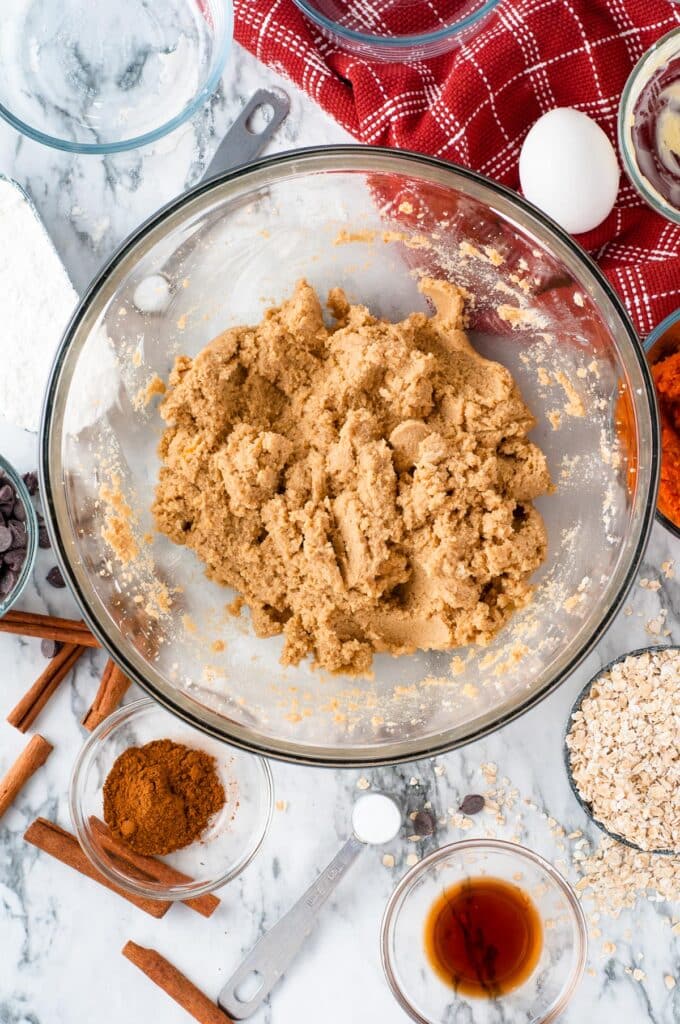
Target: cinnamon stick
column 109, row 695
column 31, row 704
column 48, row 627
column 175, row 984
column 59, row 843
column 34, row 754
column 151, row 868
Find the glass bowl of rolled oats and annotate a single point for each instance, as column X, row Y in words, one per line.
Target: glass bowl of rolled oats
column 621, row 749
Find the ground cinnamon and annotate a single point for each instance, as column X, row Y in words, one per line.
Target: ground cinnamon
column 161, row 797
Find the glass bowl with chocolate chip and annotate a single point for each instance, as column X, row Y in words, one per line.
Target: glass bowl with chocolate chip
column 164, row 811
column 18, row 535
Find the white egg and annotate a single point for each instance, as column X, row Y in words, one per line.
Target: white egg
column 568, row 168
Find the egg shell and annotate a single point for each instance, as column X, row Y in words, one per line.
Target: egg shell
column 568, row 168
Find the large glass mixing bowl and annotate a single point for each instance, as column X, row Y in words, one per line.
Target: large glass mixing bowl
column 371, row 221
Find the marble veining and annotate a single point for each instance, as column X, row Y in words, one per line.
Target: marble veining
column 60, row 936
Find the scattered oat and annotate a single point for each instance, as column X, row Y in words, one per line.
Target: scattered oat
column 363, row 783
column 281, row 805
column 650, row 584
column 669, row 982
column 412, row 859
column 639, row 975
column 608, row 948
column 668, row 569
column 388, row 860
column 439, row 769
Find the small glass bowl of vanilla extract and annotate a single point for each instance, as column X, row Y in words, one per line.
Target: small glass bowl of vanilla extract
column 481, row 923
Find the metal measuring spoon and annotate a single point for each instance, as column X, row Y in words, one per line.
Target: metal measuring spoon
column 376, row 819
column 567, row 754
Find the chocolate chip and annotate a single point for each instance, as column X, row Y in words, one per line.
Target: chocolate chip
column 54, row 578
column 31, row 481
column 50, row 648
column 7, row 581
column 472, row 804
column 19, row 512
column 423, row 824
column 18, row 530
column 43, row 537
column 7, row 495
column 14, row 559
column 5, row 538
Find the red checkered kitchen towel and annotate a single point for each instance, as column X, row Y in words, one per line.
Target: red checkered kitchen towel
column 474, row 106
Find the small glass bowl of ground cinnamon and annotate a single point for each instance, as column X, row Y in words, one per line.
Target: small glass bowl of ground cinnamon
column 663, row 353
column 149, row 793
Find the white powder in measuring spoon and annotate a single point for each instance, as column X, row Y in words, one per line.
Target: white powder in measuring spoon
column 37, row 301
column 376, row 818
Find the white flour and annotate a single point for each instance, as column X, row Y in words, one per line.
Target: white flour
column 37, row 300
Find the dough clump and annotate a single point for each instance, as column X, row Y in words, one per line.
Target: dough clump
column 366, row 487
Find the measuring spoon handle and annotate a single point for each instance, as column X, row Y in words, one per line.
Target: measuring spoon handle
column 275, row 950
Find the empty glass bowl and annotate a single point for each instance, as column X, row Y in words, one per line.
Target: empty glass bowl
column 404, row 30
column 233, row 837
column 545, row 993
column 100, row 78
column 31, row 524
column 370, row 221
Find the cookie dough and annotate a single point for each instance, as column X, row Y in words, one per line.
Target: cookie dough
column 366, row 487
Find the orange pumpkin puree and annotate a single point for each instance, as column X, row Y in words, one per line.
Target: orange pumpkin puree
column 666, row 374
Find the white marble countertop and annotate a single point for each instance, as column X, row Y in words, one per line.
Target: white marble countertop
column 60, row 935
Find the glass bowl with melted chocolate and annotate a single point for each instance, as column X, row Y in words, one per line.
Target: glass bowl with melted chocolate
column 483, row 927
column 649, row 126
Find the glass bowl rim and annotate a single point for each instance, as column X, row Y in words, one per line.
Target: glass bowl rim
column 637, row 179
column 395, row 43
column 300, row 160
column 503, row 846
column 31, row 524
column 566, row 755
column 130, row 711
column 135, row 142
column 651, row 340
